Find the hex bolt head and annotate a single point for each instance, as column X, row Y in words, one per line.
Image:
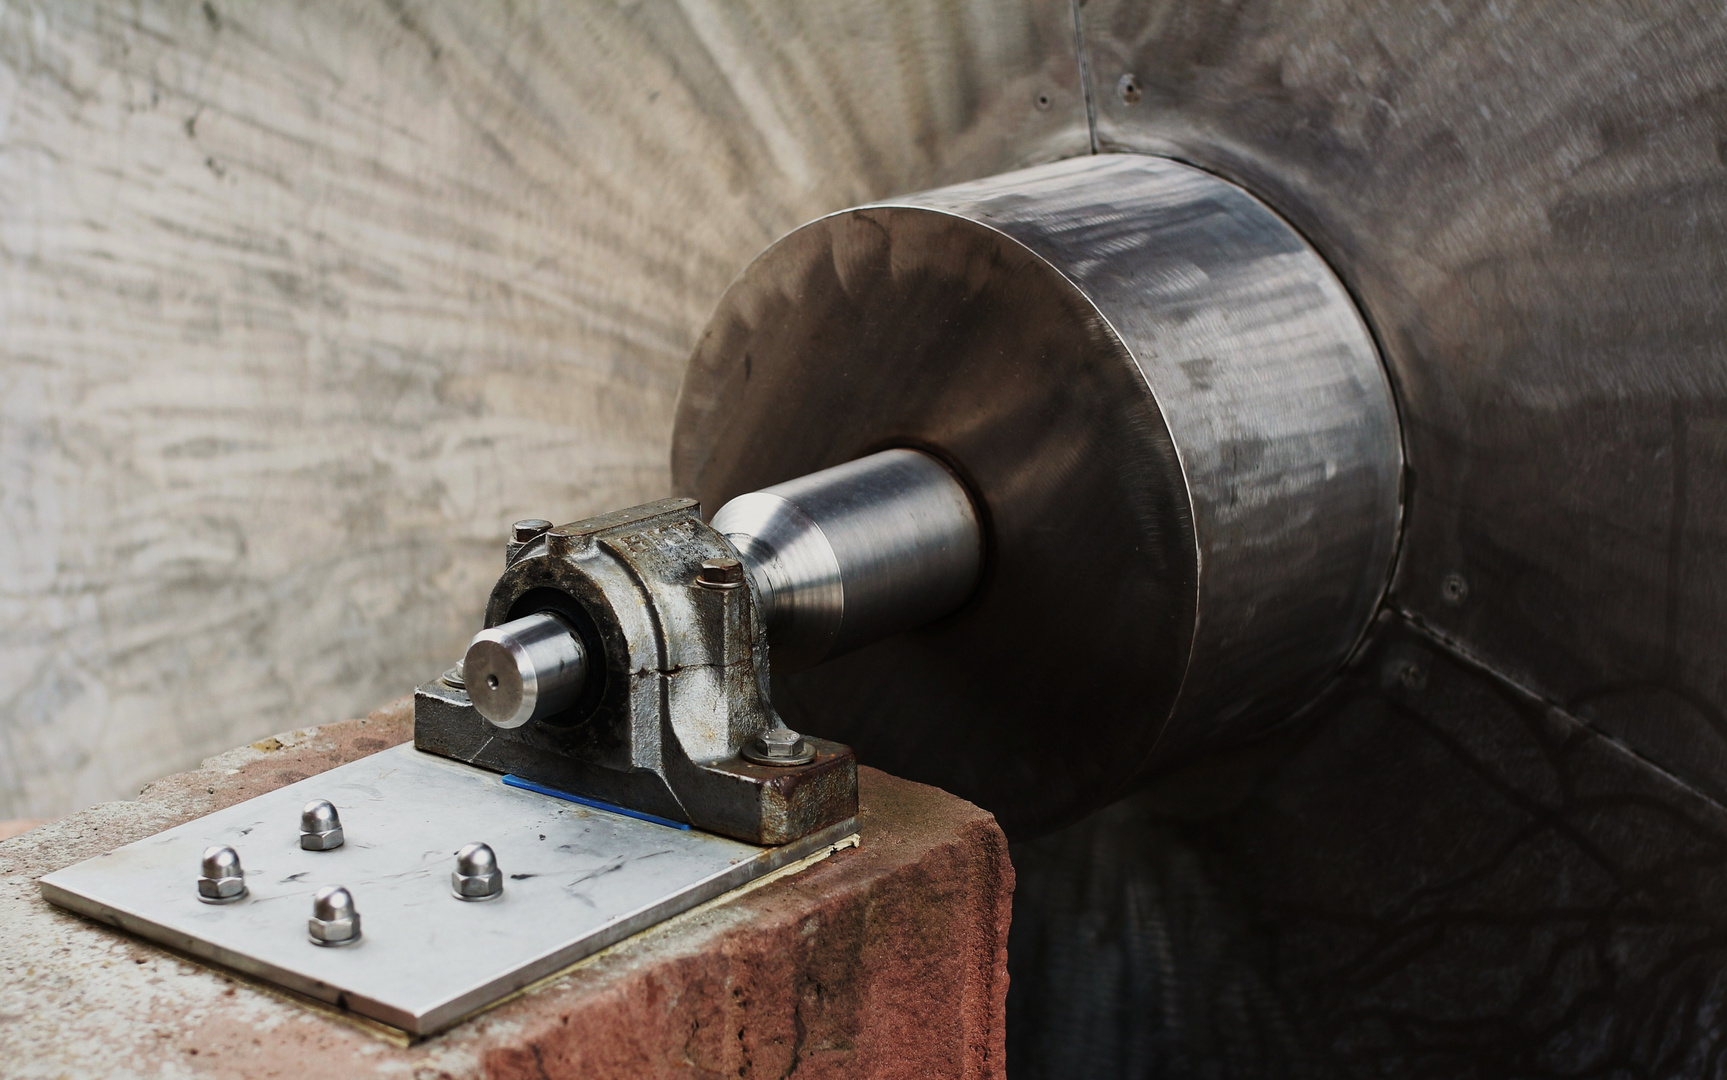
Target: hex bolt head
column 220, row 879
column 529, row 529
column 320, row 827
column 721, row 573
column 335, row 920
column 476, row 876
column 523, row 533
column 779, row 746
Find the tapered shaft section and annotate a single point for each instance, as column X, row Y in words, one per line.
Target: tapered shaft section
column 848, row 555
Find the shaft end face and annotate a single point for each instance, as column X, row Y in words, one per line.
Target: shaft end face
column 524, row 670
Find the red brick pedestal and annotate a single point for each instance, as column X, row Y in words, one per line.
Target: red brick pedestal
column 889, row 960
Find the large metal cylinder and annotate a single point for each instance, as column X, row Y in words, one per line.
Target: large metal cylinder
column 1174, row 421
column 848, row 555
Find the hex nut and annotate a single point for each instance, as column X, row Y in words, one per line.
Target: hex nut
column 779, row 746
column 476, row 876
column 220, row 890
column 320, row 826
column 335, row 920
column 334, row 931
column 720, row 573
column 221, row 879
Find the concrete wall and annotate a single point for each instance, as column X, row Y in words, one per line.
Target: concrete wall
column 302, row 304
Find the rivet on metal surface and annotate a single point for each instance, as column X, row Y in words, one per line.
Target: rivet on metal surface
column 779, row 746
column 720, row 573
column 476, row 876
column 1454, row 589
column 1129, row 89
column 320, row 826
column 1413, row 676
column 220, row 880
column 335, row 920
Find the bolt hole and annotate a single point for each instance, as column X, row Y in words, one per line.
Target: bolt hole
column 1454, row 589
column 492, row 681
column 1413, row 676
column 1042, row 102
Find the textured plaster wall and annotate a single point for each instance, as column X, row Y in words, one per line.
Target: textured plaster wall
column 300, row 305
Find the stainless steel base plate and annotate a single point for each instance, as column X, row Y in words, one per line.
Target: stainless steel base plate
column 576, row 879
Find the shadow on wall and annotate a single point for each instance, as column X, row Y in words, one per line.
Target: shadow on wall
column 1431, row 877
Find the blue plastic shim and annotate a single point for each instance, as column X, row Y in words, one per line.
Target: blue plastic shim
column 528, row 785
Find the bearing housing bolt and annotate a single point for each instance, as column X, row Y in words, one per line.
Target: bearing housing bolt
column 476, row 876
column 320, row 827
column 779, row 746
column 221, row 881
column 334, row 919
column 523, row 533
column 529, row 529
column 720, row 573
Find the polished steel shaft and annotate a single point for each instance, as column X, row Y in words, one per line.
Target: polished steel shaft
column 835, row 560
column 851, row 554
column 525, row 669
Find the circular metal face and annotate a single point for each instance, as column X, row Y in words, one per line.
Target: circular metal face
column 526, row 669
column 1176, row 425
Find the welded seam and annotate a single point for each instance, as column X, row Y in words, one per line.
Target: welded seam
column 1084, row 59
column 1481, row 665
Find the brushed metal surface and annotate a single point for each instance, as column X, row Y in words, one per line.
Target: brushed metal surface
column 576, row 879
column 1177, row 426
column 853, row 553
column 1530, row 203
